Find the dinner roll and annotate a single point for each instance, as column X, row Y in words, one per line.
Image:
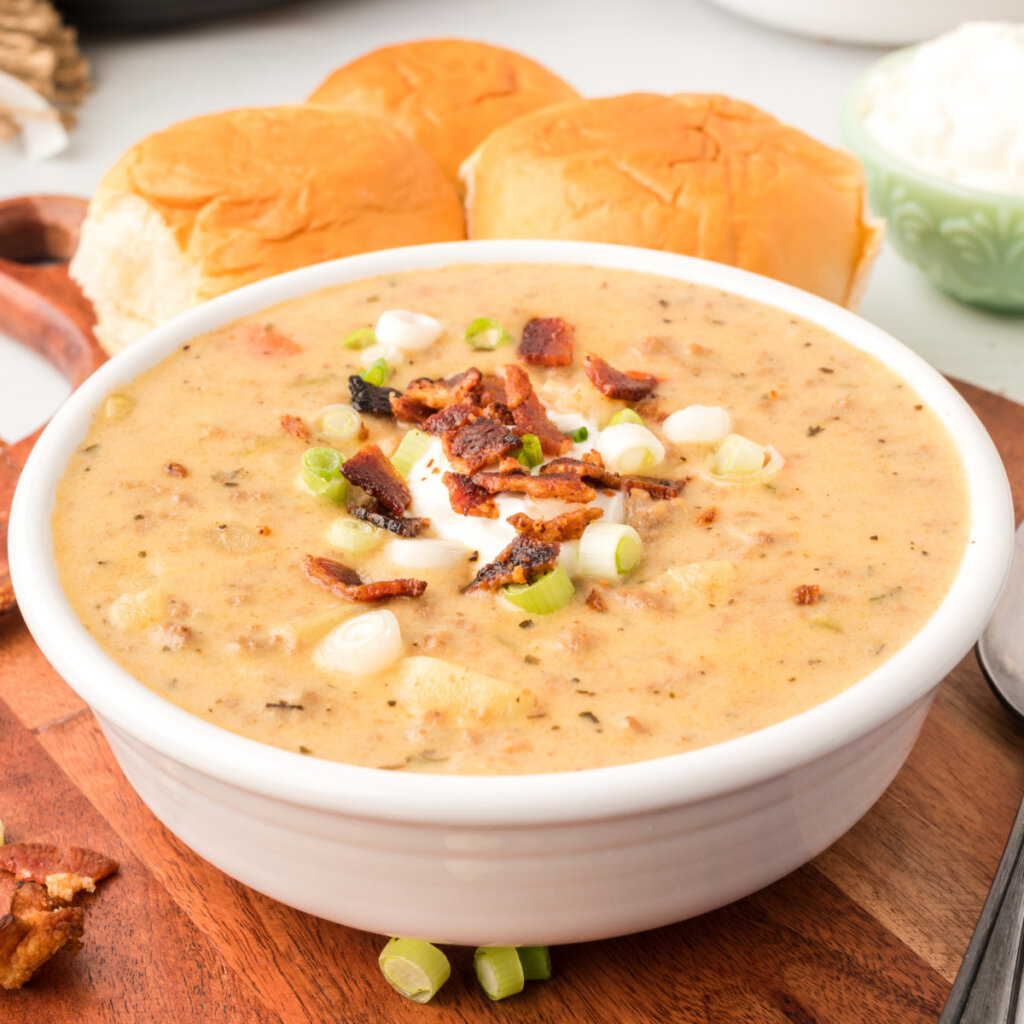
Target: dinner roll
column 221, row 200
column 447, row 94
column 703, row 175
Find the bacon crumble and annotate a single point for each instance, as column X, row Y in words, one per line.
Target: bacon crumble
column 372, row 470
column 345, row 582
column 468, row 498
column 371, row 398
column 806, row 593
column 438, row 394
column 522, row 561
column 628, row 385
column 566, row 486
column 547, row 341
column 403, row 526
column 294, row 426
column 175, row 469
column 567, row 526
column 596, row 601
column 530, row 415
column 472, row 446
column 654, row 486
column 451, row 417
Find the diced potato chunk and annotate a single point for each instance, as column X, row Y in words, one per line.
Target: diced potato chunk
column 136, row 610
column 430, row 684
column 712, row 581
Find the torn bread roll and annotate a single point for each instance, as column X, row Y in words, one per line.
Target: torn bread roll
column 447, row 94
column 225, row 199
column 703, row 175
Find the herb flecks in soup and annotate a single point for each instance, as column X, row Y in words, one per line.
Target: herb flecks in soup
column 537, row 518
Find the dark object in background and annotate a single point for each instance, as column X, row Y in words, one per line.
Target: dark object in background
column 154, row 15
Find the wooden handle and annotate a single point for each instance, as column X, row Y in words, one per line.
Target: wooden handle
column 41, row 307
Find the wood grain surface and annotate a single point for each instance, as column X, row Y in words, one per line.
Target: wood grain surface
column 870, row 931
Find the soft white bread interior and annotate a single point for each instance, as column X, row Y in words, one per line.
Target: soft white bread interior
column 698, row 174
column 447, row 94
column 222, row 200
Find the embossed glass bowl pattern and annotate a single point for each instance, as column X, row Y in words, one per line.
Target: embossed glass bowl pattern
column 968, row 242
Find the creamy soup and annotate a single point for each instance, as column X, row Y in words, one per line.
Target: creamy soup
column 758, row 554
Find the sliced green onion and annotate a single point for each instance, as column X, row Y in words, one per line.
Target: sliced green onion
column 407, row 330
column 536, row 961
column 377, row 372
column 629, row 448
column 738, row 458
column 361, row 646
column 353, row 536
column 552, row 591
column 530, row 454
column 363, row 338
column 426, row 552
column 626, row 415
column 339, row 423
column 414, row 968
column 609, row 550
column 499, row 971
column 412, row 446
column 580, row 435
column 321, row 474
column 484, row 333
column 569, row 557
column 116, row 407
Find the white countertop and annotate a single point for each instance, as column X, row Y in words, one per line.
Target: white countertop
column 145, row 82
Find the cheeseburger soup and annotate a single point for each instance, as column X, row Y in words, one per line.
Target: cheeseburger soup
column 721, row 515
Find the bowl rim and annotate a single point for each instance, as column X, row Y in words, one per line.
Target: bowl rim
column 131, row 709
column 868, row 149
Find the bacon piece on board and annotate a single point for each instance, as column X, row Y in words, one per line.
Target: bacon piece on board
column 566, row 526
column 37, row 927
column 343, row 581
column 629, row 385
column 468, row 499
column 529, row 414
column 547, row 341
column 62, row 871
column 523, row 561
column 474, row 445
column 372, row 470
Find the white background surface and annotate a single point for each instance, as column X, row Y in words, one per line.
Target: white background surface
column 144, row 82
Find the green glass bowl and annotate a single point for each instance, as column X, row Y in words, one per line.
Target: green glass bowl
column 969, row 242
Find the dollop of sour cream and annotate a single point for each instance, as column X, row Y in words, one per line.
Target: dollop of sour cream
column 956, row 107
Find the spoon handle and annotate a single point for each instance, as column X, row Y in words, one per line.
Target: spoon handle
column 987, row 989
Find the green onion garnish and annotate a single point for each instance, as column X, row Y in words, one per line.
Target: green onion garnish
column 377, row 372
column 321, row 473
column 580, row 435
column 738, row 456
column 339, row 423
column 353, row 536
column 536, row 961
column 609, row 550
column 530, row 454
column 363, row 338
column 484, row 333
column 414, row 968
column 413, row 445
column 552, row 591
column 499, row 970
column 626, row 415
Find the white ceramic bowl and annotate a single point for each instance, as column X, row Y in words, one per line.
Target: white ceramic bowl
column 540, row 859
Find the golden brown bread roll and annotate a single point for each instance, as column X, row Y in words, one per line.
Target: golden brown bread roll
column 447, row 94
column 702, row 175
column 218, row 201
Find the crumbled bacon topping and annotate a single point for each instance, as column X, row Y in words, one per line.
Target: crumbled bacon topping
column 367, row 397
column 438, row 394
column 595, row 601
column 451, row 417
column 371, row 470
column 469, row 499
column 628, row 385
column 529, row 414
column 293, row 425
column 806, row 593
column 654, row 486
column 567, row 526
column 403, row 526
column 345, row 582
column 475, row 444
column 547, row 342
column 566, row 486
column 408, row 410
column 590, row 467
column 523, row 561
column 175, row 469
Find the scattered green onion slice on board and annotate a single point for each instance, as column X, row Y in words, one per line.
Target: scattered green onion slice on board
column 552, row 591
column 339, row 422
column 353, row 536
column 321, row 473
column 414, row 968
column 411, row 447
column 609, row 550
column 499, row 970
column 626, row 415
column 485, row 334
column 536, row 961
column 530, row 454
column 377, row 372
column 363, row 338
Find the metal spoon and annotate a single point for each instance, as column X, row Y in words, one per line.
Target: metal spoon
column 987, row 989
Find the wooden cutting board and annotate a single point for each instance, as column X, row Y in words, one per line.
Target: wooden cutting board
column 872, row 930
